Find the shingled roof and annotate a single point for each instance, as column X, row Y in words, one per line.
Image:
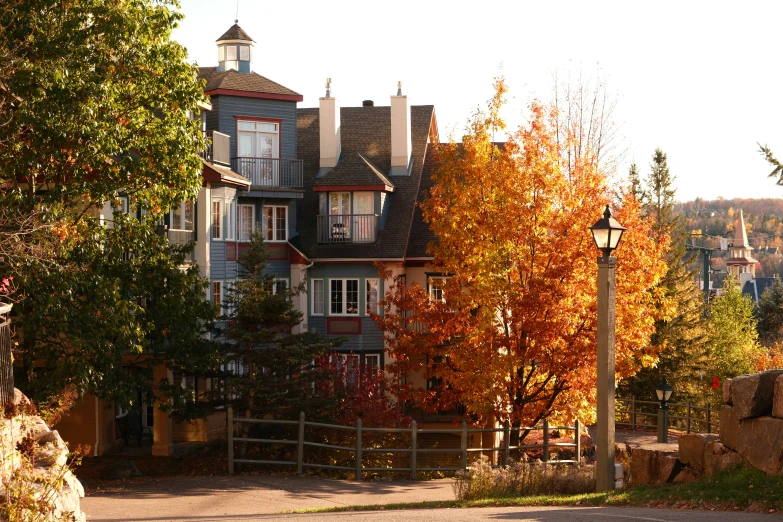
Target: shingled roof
column 246, row 82
column 421, row 235
column 235, row 33
column 354, row 169
column 367, row 131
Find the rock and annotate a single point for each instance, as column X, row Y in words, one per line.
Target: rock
column 685, row 476
column 727, row 391
column 729, row 427
column 652, row 467
column 715, row 462
column 751, row 395
column 777, row 400
column 691, row 449
column 120, row 469
column 760, row 442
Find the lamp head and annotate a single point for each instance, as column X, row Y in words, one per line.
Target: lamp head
column 664, row 392
column 607, row 233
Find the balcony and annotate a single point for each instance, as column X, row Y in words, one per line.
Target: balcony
column 347, row 228
column 217, row 148
column 270, row 172
column 183, row 238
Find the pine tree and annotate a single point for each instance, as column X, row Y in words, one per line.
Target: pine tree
column 770, row 313
column 634, row 177
column 680, row 338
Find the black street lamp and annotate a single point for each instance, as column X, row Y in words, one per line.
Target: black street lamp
column 607, row 233
column 664, row 392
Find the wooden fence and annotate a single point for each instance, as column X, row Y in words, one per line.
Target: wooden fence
column 635, row 413
column 412, row 449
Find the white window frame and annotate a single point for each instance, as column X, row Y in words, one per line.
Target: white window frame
column 228, row 219
column 344, row 311
column 182, row 215
column 317, row 301
column 240, row 222
column 431, row 287
column 367, row 303
column 375, row 369
column 265, row 228
column 221, row 205
column 276, row 281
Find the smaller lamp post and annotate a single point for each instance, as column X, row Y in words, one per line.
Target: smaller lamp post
column 664, row 392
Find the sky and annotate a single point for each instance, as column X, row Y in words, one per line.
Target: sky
column 700, row 80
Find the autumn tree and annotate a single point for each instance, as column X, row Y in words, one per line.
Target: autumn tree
column 679, row 334
column 514, row 337
column 96, row 107
column 732, row 335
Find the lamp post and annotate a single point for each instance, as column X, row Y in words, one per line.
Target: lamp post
column 606, row 234
column 664, row 392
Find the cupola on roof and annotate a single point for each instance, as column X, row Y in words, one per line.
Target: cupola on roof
column 235, row 50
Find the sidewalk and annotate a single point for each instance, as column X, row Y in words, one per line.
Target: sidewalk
column 234, row 498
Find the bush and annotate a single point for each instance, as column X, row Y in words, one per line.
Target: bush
column 480, row 480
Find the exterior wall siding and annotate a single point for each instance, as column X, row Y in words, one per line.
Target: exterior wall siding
column 371, row 339
column 229, row 106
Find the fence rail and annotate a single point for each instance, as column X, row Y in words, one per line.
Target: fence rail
column 270, row 172
column 413, row 450
column 347, row 228
column 636, row 413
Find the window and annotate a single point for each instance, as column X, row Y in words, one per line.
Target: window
column 181, row 216
column 371, row 296
column 244, row 53
column 275, row 223
column 280, row 285
column 231, row 218
column 344, row 296
column 231, row 52
column 246, row 220
column 435, row 288
column 372, row 364
column 217, row 297
column 318, row 296
column 217, row 218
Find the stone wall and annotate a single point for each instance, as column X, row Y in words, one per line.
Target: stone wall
column 751, row 419
column 33, row 467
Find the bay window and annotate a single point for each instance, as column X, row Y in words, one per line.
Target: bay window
column 275, row 223
column 246, row 220
column 344, row 296
column 318, row 297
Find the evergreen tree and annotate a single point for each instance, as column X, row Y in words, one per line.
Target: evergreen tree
column 279, row 371
column 680, row 337
column 732, row 334
column 634, row 177
column 769, row 313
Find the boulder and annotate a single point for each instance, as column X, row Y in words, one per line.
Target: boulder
column 685, row 476
column 691, row 449
column 760, row 442
column 652, row 467
column 120, row 469
column 727, row 391
column 777, row 400
column 751, row 395
column 719, row 458
column 729, row 427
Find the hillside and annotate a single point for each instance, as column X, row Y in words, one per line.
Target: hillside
column 710, row 220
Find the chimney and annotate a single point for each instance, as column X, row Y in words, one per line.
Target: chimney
column 400, row 133
column 329, row 118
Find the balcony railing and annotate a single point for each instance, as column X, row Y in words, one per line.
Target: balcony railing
column 217, row 148
column 347, row 228
column 270, row 172
column 183, row 238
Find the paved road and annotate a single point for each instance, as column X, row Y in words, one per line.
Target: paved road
column 249, row 498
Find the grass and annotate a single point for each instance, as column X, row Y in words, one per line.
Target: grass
column 744, row 489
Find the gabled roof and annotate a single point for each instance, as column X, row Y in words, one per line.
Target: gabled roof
column 235, row 33
column 354, row 170
column 219, row 174
column 367, row 131
column 233, row 83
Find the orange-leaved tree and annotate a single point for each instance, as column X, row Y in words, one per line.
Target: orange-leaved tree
column 514, row 337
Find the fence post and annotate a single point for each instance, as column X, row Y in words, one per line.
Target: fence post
column 300, row 446
column 709, row 424
column 464, row 445
column 359, row 449
column 546, row 440
column 506, row 441
column 413, row 449
column 578, row 441
column 633, row 412
column 230, row 433
column 688, row 417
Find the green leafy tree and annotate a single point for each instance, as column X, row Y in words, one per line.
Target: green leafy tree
column 681, row 335
column 280, row 374
column 96, row 106
column 769, row 313
column 731, row 333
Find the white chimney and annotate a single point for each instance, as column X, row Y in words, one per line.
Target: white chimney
column 400, row 132
column 329, row 118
